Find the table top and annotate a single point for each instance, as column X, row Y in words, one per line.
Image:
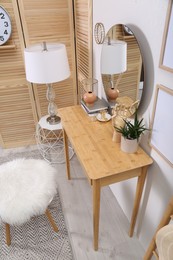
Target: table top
column 92, row 142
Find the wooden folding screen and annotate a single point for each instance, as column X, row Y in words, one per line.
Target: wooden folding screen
column 17, row 109
column 84, row 39
column 51, row 21
column 21, row 103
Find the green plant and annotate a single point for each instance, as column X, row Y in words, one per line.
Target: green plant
column 132, row 130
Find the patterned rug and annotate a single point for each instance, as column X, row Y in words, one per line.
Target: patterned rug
column 36, row 240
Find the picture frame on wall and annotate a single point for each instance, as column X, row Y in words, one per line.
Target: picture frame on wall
column 162, row 123
column 166, row 57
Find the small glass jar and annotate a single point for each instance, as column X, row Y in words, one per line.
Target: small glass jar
column 89, row 90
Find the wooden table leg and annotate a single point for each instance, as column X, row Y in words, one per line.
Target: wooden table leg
column 164, row 221
column 139, row 190
column 66, row 154
column 96, row 212
column 50, row 218
column 8, row 238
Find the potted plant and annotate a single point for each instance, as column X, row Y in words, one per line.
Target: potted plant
column 130, row 133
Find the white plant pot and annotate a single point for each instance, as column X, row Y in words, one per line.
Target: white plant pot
column 129, row 146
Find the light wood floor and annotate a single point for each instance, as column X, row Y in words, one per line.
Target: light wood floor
column 76, row 198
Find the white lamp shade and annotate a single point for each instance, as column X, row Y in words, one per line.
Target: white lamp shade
column 114, row 58
column 46, row 66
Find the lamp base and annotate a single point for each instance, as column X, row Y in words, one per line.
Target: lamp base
column 53, row 120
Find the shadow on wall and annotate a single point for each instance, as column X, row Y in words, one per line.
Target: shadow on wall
column 156, row 181
column 148, row 67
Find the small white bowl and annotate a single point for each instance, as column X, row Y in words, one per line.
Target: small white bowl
column 104, row 118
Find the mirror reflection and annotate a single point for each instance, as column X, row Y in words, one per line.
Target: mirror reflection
column 123, row 84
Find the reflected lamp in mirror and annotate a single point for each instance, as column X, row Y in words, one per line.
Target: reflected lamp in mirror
column 113, row 61
column 47, row 63
column 131, row 85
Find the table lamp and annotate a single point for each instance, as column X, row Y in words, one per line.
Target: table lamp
column 47, row 63
column 114, row 61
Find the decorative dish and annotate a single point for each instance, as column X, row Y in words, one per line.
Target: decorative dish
column 103, row 117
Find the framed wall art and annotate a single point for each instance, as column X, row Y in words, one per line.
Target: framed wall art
column 166, row 56
column 162, row 123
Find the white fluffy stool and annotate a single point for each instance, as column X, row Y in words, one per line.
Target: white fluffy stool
column 27, row 186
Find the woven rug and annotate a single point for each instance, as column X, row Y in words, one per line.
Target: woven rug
column 36, row 240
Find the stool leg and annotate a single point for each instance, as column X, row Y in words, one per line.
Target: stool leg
column 8, row 239
column 49, row 216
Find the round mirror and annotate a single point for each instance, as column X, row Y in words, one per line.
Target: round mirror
column 121, row 67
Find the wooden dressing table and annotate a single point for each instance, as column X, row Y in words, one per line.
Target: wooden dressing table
column 102, row 160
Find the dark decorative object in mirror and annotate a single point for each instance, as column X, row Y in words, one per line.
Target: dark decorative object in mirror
column 130, row 84
column 127, row 30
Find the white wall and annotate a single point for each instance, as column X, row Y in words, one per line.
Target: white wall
column 146, row 18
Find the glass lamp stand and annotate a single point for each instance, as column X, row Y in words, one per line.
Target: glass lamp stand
column 52, row 107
